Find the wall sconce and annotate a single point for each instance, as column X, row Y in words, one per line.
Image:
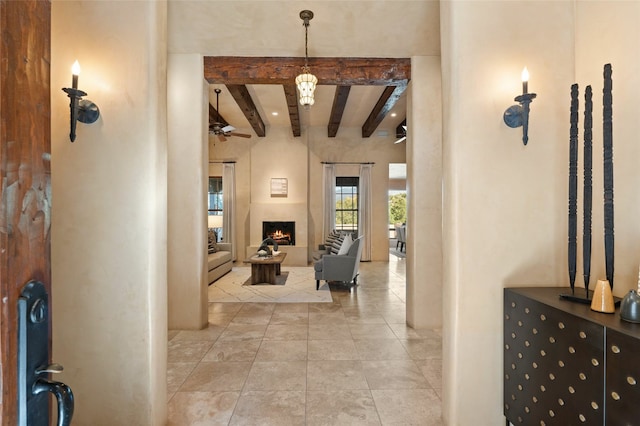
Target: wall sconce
column 82, row 110
column 518, row 115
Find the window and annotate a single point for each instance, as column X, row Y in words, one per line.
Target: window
column 347, row 203
column 215, row 195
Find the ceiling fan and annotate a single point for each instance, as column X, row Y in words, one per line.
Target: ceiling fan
column 402, row 136
column 220, row 129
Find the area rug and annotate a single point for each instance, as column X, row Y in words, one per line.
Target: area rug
column 280, row 280
column 298, row 286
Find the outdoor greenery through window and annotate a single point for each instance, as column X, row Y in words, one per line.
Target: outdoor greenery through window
column 215, row 195
column 347, row 203
column 398, row 208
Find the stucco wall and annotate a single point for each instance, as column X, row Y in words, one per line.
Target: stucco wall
column 505, row 217
column 187, row 185
column 109, row 292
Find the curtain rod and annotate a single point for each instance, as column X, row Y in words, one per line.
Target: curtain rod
column 339, row 162
column 222, row 162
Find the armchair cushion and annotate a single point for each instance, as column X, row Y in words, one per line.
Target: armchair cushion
column 346, row 245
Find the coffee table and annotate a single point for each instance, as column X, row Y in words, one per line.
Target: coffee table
column 265, row 269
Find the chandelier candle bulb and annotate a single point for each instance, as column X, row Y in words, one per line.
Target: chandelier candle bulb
column 75, row 71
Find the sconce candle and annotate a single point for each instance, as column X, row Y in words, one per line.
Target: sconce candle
column 75, row 71
column 525, row 81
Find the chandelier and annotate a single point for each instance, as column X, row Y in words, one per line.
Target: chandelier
column 306, row 82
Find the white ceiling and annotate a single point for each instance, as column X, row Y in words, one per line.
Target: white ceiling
column 391, row 28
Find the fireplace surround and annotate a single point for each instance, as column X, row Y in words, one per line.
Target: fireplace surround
column 283, row 233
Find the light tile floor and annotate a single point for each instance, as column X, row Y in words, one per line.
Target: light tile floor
column 352, row 361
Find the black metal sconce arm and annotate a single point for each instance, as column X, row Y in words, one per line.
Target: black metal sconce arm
column 518, row 115
column 82, row 110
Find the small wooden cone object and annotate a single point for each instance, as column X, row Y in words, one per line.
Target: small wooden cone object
column 603, row 298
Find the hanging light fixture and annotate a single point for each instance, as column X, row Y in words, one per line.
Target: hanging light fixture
column 306, row 81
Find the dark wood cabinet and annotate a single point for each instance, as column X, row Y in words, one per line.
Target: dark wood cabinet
column 565, row 364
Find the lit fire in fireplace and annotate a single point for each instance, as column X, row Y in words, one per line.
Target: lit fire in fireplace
column 283, row 233
column 282, row 238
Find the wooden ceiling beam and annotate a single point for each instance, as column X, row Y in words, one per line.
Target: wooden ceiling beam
column 337, row 110
column 291, row 95
column 387, row 100
column 236, row 70
column 214, row 116
column 241, row 94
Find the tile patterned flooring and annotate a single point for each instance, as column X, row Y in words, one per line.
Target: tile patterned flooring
column 352, row 361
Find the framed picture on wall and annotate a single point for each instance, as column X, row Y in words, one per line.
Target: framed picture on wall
column 279, row 187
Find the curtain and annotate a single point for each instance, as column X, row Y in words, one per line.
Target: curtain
column 364, row 210
column 229, row 205
column 329, row 196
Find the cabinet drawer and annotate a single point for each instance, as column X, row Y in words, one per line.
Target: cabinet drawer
column 622, row 397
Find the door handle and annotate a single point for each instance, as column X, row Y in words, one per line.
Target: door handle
column 64, row 397
column 34, row 366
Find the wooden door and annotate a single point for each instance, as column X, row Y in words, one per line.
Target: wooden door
column 25, row 192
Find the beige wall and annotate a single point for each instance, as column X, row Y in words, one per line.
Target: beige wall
column 187, row 188
column 424, row 194
column 109, row 293
column 300, row 160
column 505, row 205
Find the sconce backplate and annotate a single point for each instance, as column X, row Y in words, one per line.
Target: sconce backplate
column 513, row 116
column 88, row 112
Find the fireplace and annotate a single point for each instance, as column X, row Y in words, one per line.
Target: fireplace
column 283, row 233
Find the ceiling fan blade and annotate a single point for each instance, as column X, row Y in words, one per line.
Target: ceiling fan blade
column 402, row 139
column 242, row 135
column 221, row 137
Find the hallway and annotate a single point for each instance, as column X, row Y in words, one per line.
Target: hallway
column 350, row 362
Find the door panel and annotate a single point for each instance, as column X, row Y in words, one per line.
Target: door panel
column 25, row 191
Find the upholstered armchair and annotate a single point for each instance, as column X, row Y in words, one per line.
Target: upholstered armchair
column 339, row 267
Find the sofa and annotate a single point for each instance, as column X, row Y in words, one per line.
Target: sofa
column 219, row 261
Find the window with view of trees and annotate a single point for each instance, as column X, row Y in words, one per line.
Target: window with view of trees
column 215, row 195
column 398, row 208
column 347, row 203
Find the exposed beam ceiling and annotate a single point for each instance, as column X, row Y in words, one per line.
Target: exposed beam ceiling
column 386, row 102
column 339, row 102
column 244, row 101
column 237, row 72
column 291, row 94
